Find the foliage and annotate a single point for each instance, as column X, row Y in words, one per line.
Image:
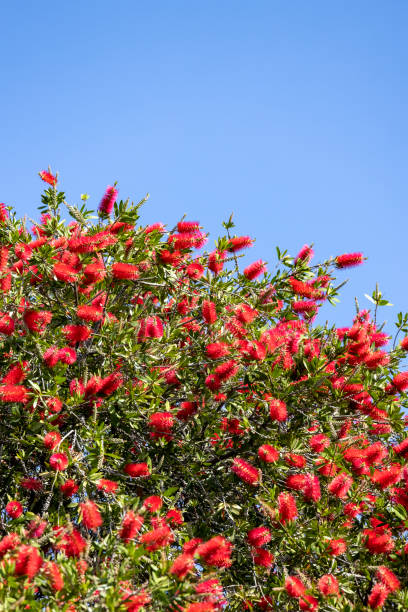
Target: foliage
column 177, row 434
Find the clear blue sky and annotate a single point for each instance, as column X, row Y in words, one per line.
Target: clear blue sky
column 291, row 114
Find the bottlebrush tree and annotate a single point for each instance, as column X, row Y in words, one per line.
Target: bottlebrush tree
column 177, row 433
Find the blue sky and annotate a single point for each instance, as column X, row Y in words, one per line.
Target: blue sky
column 290, row 114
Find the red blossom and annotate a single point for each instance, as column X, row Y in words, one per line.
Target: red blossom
column 108, row 201
column 349, row 260
column 58, row 462
column 14, row 509
column 245, row 471
column 47, row 177
column 91, row 516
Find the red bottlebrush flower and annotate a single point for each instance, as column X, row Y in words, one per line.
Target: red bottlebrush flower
column 76, row 333
column 47, row 177
column 404, row 343
column 67, row 355
column 69, row 488
column 137, row 470
column 16, row 374
column 72, row 544
column 59, row 462
column 277, row 410
column 255, row 269
column 37, row 320
column 157, row 538
column 182, row 565
column 174, row 517
column 400, row 381
column 6, row 324
column 28, row 561
column 305, row 306
column 187, row 409
column 268, row 453
column 259, row 536
column 131, row 526
column 76, row 387
column 4, row 254
column 31, row 484
column 340, row 485
column 52, row 439
column 94, row 272
column 226, row 370
column 402, row 448
column 9, row 542
column 13, row 393
column 305, row 254
column 213, row 382
column 336, row 547
column 93, row 386
column 171, row 258
column 155, row 227
column 65, row 273
column 378, row 596
column 91, row 516
column 304, row 290
column 187, row 227
column 217, row 350
column 245, row 471
column 328, row 585
column 296, row 481
column 204, row 606
column 89, row 313
column 191, row 546
column 236, row 328
column 14, row 509
column 209, row 312
column 153, row 503
column 296, row 460
column 239, row 243
column 379, row 542
column 161, row 422
column 252, row 350
column 54, row 404
column 376, row 359
column 216, row 261
column 294, row 587
column 195, row 271
column 36, row 528
column 134, row 603
column 388, row 578
column 216, row 552
column 3, row 213
column 150, row 327
column 107, row 486
column 287, row 507
column 319, row 442
column 5, row 283
column 53, row 573
column 348, row 260
column 245, row 314
column 375, row 453
column 389, row 477
column 311, row 490
column 352, row 510
column 51, row 356
column 23, row 253
column 263, row 557
column 125, row 271
column 111, row 383
column 108, row 200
